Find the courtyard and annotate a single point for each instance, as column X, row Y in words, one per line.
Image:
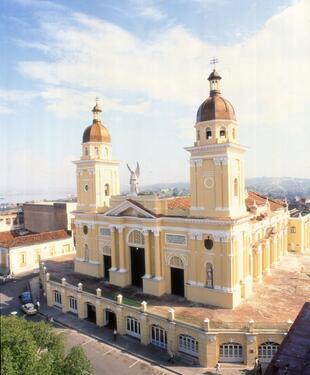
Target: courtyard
column 274, row 301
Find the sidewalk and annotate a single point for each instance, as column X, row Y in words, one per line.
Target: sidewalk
column 150, row 353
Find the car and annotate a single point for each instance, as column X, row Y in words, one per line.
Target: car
column 29, row 309
column 25, row 297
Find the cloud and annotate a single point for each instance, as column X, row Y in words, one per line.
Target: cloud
column 8, row 99
column 266, row 76
column 64, row 101
column 147, row 9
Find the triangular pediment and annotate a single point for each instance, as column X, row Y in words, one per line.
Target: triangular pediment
column 128, row 208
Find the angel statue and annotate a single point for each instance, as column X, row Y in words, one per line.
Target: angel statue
column 134, row 176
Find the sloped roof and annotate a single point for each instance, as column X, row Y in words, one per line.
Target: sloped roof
column 260, row 200
column 14, row 239
column 183, row 203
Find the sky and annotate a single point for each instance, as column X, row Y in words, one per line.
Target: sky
column 148, row 62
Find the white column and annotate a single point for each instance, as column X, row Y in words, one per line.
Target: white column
column 147, row 255
column 122, row 263
column 157, row 255
column 113, row 249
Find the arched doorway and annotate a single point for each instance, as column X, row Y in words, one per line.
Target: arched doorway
column 231, row 352
column 90, row 312
column 177, row 276
column 136, row 245
column 110, row 319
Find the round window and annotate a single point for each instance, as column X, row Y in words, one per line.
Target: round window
column 85, row 229
column 208, row 243
column 86, row 187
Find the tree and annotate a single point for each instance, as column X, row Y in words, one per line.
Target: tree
column 76, row 362
column 34, row 348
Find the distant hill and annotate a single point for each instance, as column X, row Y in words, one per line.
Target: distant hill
column 280, row 186
column 277, row 187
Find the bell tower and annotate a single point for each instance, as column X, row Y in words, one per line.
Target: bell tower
column 217, row 159
column 97, row 174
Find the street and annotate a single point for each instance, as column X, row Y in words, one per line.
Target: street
column 105, row 358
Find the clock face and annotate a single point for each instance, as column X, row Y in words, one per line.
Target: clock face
column 209, row 182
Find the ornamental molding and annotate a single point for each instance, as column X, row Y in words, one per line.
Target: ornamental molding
column 124, row 206
column 251, row 339
column 210, row 338
column 171, row 254
column 195, row 235
column 220, row 160
column 196, row 162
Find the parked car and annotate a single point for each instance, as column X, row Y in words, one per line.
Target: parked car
column 5, row 278
column 25, row 297
column 29, row 309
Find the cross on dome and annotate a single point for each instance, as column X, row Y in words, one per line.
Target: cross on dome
column 214, row 61
column 96, row 111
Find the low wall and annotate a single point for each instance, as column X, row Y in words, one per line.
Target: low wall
column 203, row 342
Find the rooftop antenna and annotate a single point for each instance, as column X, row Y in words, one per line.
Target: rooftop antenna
column 214, row 61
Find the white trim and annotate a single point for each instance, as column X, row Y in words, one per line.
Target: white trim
column 196, row 232
column 115, row 211
column 176, row 243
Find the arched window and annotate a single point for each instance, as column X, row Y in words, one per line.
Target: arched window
column 267, row 350
column 133, row 327
column 106, row 151
column 187, row 344
column 86, row 253
column 208, row 133
column 231, row 352
column 107, row 190
column 136, row 238
column 159, row 336
column 236, row 187
column 209, row 275
column 222, row 133
column 96, row 151
column 86, row 151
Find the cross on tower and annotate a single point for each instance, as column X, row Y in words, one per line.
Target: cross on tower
column 214, row 61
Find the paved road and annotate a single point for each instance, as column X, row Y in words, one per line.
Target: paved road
column 105, row 358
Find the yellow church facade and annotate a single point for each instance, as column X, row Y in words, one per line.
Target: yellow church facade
column 209, row 247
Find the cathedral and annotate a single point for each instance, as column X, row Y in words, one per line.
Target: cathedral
column 208, row 247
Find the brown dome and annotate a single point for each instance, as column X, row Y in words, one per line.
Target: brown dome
column 96, row 133
column 216, row 108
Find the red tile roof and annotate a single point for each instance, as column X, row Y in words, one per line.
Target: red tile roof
column 184, row 202
column 13, row 239
column 261, row 200
column 179, row 202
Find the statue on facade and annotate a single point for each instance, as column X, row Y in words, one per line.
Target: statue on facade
column 134, row 176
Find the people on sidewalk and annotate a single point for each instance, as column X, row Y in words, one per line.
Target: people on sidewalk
column 218, row 368
column 171, row 356
column 114, row 334
column 257, row 367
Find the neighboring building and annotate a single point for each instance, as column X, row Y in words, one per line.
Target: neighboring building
column 48, row 216
column 12, row 219
column 21, row 251
column 299, row 231
column 293, row 355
